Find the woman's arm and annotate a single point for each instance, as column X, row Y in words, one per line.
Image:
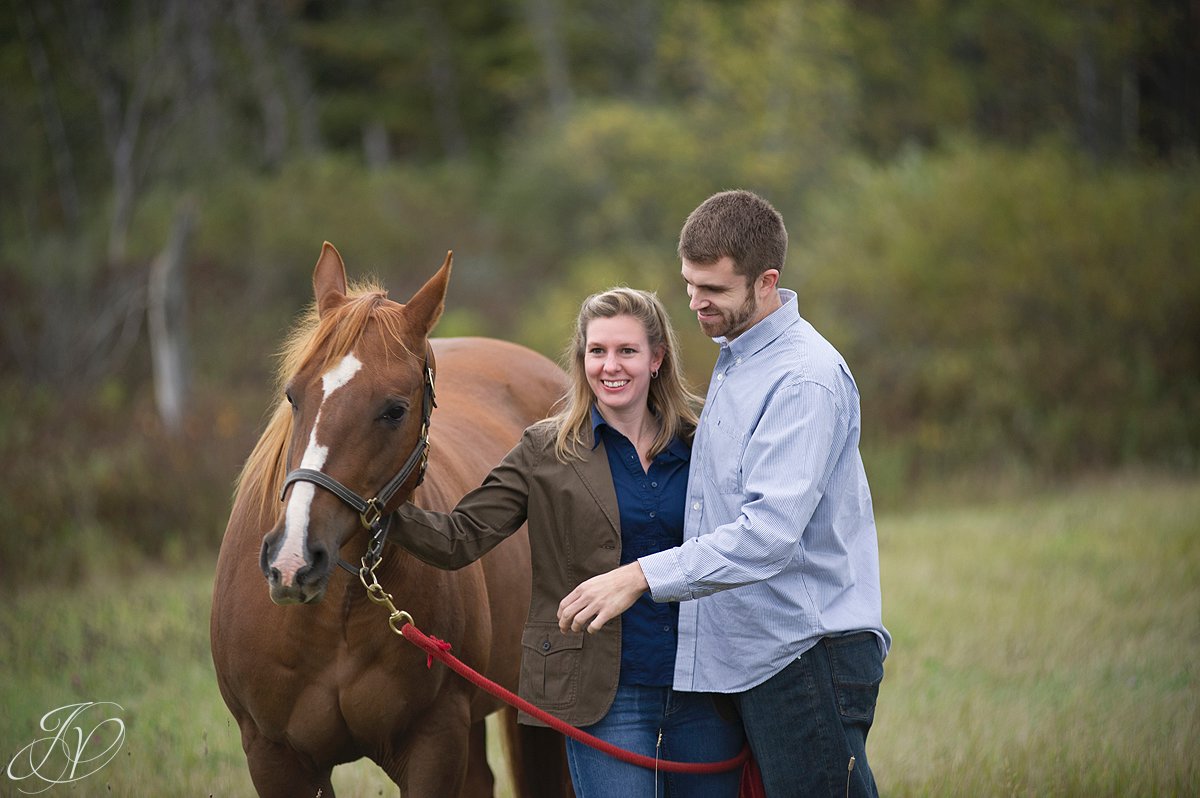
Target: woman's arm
column 481, row 519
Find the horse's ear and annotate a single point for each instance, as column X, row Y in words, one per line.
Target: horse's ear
column 329, row 280
column 425, row 308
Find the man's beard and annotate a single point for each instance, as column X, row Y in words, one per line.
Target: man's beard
column 731, row 325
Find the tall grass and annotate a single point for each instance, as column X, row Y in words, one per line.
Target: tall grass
column 1046, row 646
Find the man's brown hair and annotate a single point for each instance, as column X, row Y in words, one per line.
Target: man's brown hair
column 738, row 224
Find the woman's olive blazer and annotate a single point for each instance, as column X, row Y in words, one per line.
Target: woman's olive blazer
column 574, row 534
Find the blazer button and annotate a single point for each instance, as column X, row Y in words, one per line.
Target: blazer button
column 545, row 645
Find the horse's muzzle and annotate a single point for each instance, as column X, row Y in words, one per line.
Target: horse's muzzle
column 295, row 582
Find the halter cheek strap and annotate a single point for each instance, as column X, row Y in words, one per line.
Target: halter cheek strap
column 371, row 511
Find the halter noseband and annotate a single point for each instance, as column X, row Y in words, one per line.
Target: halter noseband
column 371, row 511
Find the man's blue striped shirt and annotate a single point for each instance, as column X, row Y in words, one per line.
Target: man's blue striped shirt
column 779, row 536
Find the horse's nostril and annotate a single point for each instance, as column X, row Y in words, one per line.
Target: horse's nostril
column 274, row 576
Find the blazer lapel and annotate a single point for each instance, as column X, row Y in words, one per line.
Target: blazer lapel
column 593, row 471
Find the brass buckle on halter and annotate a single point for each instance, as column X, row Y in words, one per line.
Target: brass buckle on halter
column 371, row 514
column 396, row 618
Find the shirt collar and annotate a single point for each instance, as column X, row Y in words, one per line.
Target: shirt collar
column 676, row 447
column 597, row 421
column 768, row 329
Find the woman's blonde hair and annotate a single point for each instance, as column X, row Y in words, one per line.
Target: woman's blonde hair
column 670, row 398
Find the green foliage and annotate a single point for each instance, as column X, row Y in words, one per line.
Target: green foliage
column 1000, row 306
column 1012, row 72
column 1025, row 311
column 94, row 484
column 395, row 223
column 768, row 89
column 614, row 173
column 439, row 78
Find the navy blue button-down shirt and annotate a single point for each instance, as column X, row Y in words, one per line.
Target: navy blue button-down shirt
column 651, row 504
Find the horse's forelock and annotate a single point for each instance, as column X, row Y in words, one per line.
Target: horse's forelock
column 332, row 337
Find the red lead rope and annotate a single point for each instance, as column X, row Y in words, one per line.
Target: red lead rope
column 440, row 650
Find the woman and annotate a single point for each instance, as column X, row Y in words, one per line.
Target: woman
column 601, row 483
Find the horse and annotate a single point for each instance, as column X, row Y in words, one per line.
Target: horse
column 305, row 661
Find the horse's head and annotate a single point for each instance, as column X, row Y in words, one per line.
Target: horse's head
column 357, row 396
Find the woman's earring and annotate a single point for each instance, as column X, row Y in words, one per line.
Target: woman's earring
column 654, row 374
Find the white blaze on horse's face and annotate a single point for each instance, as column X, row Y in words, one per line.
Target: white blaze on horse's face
column 295, row 531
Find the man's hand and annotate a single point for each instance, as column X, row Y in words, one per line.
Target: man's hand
column 601, row 598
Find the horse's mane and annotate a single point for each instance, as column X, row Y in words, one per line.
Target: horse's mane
column 328, row 339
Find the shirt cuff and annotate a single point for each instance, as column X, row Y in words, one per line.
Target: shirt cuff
column 665, row 577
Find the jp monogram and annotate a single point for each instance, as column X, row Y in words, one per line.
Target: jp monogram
column 83, row 738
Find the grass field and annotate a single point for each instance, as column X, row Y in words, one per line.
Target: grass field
column 1046, row 646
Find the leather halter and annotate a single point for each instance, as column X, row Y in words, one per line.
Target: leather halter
column 371, row 511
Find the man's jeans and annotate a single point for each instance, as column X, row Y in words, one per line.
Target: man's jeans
column 692, row 731
column 807, row 721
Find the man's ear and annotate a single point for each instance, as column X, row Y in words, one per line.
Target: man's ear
column 768, row 280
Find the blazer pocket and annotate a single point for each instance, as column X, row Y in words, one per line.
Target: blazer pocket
column 550, row 665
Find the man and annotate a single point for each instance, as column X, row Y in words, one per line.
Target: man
column 778, row 507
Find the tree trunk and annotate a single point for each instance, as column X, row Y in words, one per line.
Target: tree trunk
column 645, row 36
column 544, row 20
column 166, row 309
column 443, row 82
column 1088, row 83
column 270, row 97
column 56, row 132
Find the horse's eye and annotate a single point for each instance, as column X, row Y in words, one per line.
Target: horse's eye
column 288, row 395
column 394, row 414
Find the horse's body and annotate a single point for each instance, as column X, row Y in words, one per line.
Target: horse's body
column 306, row 663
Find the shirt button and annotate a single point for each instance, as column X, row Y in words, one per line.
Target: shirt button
column 652, row 514
column 666, row 628
column 545, row 645
column 654, row 484
column 696, row 506
column 739, row 360
column 720, row 377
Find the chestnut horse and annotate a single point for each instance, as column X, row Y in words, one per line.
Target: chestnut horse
column 305, row 661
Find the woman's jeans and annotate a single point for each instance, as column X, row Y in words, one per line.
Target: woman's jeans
column 691, row 729
column 806, row 722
